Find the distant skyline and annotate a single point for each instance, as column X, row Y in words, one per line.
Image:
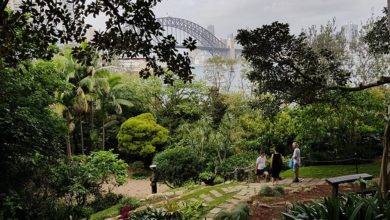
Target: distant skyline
column 228, row 16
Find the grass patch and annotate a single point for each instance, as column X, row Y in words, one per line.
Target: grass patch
column 206, row 190
column 107, row 213
column 335, row 170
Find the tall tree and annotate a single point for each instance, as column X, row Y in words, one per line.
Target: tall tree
column 292, row 70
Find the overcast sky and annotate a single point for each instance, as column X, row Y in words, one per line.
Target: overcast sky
column 229, row 15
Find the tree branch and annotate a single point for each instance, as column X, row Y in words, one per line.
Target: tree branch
column 116, row 13
column 382, row 81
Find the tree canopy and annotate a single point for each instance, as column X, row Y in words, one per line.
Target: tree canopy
column 131, row 30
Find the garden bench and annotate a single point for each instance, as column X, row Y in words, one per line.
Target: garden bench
column 335, row 181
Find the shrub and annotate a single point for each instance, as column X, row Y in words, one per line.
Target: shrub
column 137, row 165
column 177, row 165
column 266, row 191
column 271, row 191
column 139, row 171
column 141, row 135
column 207, row 177
column 241, row 212
column 218, row 180
column 279, row 189
column 228, row 166
column 191, row 210
column 149, row 213
column 106, row 201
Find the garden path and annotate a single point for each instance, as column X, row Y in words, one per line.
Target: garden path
column 136, row 188
column 228, row 196
column 245, row 191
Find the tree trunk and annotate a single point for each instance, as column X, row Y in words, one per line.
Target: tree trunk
column 384, row 174
column 82, row 136
column 103, row 138
column 68, row 147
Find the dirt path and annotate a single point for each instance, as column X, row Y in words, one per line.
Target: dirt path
column 137, row 188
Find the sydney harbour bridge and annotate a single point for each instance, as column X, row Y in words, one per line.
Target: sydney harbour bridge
column 181, row 29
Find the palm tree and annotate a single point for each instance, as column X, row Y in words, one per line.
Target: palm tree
column 72, row 102
column 103, row 85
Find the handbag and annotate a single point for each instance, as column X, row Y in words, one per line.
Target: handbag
column 291, row 163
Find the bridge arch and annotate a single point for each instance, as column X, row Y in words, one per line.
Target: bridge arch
column 203, row 36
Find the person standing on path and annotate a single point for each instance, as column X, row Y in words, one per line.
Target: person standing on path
column 261, row 166
column 297, row 161
column 276, row 165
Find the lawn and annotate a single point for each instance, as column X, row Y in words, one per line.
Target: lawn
column 110, row 212
column 334, row 170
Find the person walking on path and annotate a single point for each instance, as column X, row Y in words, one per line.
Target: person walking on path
column 296, row 157
column 276, row 165
column 261, row 166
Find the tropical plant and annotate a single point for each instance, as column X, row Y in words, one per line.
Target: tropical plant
column 102, row 84
column 240, row 212
column 350, row 206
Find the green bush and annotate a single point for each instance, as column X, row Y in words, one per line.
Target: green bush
column 191, row 210
column 105, row 201
column 242, row 160
column 141, row 135
column 218, row 180
column 177, row 165
column 149, row 213
column 241, row 212
column 279, row 189
column 139, row 171
column 271, row 191
column 137, row 165
column 207, row 177
column 266, row 191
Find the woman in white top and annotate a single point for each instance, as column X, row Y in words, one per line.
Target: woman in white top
column 261, row 167
column 297, row 161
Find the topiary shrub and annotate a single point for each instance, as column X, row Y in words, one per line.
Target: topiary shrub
column 141, row 135
column 177, row 165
